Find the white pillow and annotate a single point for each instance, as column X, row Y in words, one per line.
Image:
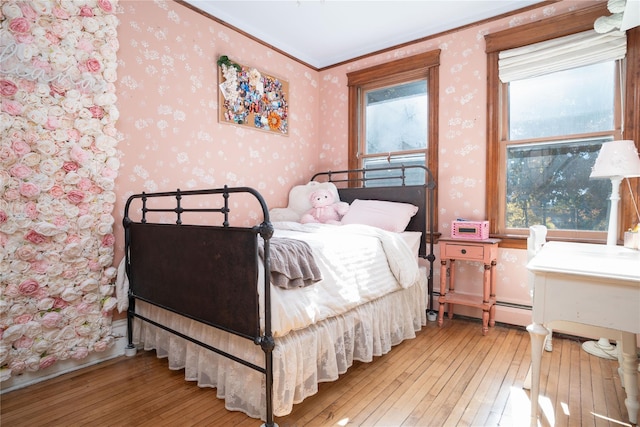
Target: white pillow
column 299, row 202
column 390, row 216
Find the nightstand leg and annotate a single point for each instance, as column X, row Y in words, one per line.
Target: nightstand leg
column 485, row 322
column 492, row 312
column 452, row 284
column 443, row 291
column 486, row 292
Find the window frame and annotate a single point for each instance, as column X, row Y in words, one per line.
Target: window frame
column 559, row 26
column 416, row 67
column 420, row 66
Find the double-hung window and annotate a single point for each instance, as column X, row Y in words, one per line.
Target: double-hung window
column 393, row 116
column 556, row 102
column 557, row 117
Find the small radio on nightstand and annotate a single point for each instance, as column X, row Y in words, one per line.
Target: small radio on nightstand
column 475, row 230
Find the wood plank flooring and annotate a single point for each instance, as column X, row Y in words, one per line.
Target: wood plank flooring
column 449, row 376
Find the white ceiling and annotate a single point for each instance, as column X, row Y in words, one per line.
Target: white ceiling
column 326, row 32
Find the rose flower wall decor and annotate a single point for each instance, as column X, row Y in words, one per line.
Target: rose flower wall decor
column 251, row 98
column 58, row 163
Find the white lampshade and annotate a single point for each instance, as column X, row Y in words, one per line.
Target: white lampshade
column 617, row 159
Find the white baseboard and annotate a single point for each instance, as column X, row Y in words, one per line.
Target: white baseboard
column 65, row 366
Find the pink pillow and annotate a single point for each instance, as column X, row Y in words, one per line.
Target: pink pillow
column 390, row 216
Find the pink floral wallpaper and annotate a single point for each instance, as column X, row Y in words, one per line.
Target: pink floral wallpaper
column 168, row 99
column 79, row 138
column 58, row 154
column 462, row 143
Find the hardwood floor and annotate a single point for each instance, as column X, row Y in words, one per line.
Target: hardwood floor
column 449, row 376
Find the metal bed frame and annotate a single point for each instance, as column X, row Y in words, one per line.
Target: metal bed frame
column 161, row 258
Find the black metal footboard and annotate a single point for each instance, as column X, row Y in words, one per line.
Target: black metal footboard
column 200, row 270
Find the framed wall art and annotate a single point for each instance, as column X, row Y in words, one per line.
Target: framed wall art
column 248, row 97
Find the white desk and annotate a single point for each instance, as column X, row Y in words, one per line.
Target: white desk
column 592, row 291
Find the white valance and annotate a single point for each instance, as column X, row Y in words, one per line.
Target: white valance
column 575, row 50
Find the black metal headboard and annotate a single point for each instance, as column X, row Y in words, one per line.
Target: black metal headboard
column 394, row 184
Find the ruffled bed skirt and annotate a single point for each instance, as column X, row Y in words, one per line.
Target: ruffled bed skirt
column 301, row 359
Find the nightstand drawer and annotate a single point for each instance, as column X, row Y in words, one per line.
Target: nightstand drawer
column 462, row 251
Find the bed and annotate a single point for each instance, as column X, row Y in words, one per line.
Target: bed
column 204, row 292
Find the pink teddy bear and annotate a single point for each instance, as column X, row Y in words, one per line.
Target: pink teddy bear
column 324, row 208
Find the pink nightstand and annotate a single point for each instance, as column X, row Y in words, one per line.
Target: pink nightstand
column 485, row 251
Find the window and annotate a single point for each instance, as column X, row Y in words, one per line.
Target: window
column 545, row 131
column 395, row 121
column 556, row 124
column 393, row 117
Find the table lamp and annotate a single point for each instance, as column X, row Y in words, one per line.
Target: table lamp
column 616, row 160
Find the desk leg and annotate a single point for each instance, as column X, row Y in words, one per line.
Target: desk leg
column 630, row 373
column 537, row 333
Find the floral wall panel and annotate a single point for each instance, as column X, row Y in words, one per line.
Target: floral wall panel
column 58, row 157
column 168, row 100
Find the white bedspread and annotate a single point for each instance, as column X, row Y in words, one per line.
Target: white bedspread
column 359, row 263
